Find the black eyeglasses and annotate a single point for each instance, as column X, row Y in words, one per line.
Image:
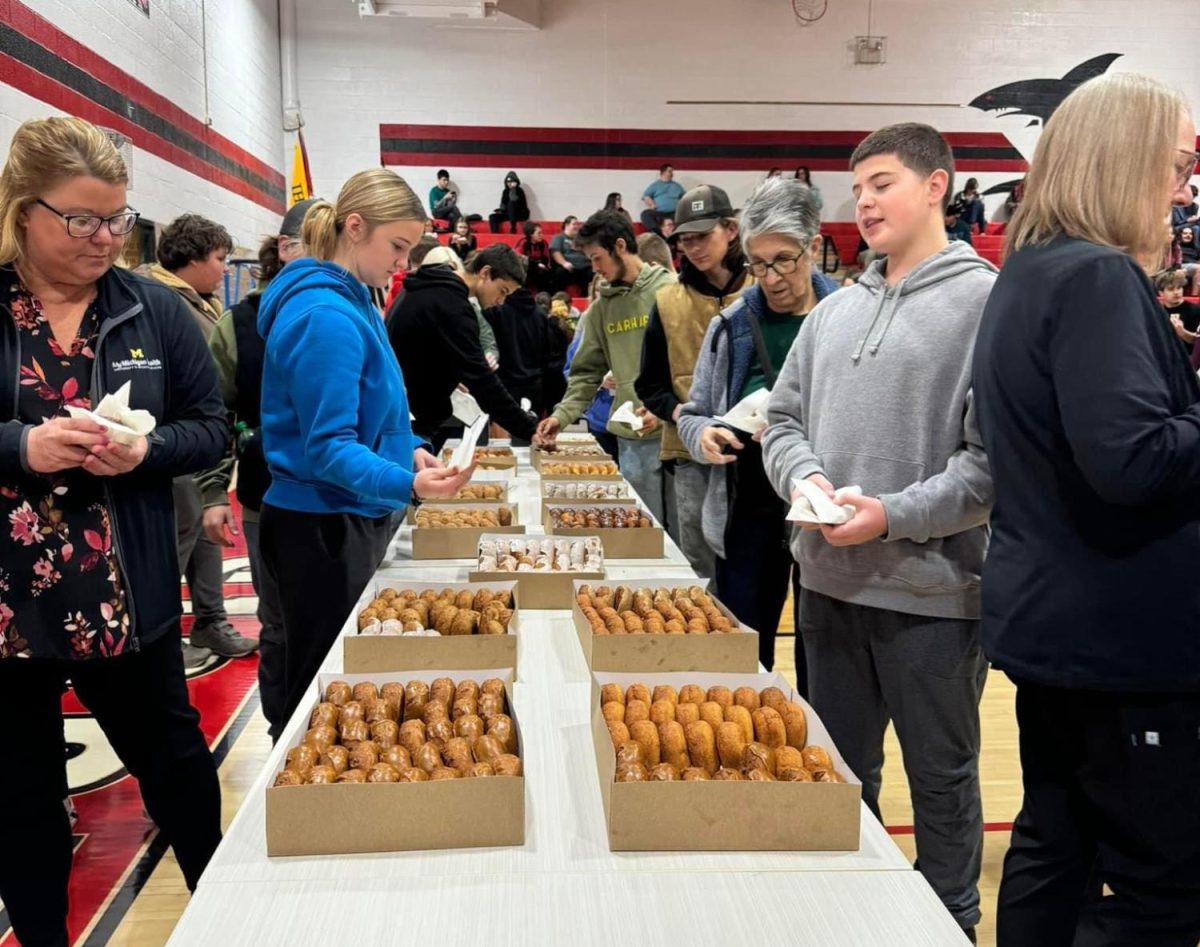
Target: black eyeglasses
column 85, row 225
column 1185, row 172
column 782, row 266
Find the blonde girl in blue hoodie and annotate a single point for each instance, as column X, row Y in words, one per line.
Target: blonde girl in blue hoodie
column 335, row 418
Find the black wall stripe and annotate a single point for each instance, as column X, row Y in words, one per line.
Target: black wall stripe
column 25, row 50
column 417, row 146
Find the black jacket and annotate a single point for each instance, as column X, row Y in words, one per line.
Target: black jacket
column 531, row 358
column 253, row 476
column 149, row 336
column 654, row 384
column 435, row 335
column 1090, row 415
column 513, row 202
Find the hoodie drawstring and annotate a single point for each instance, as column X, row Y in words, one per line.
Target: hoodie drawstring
column 862, row 343
column 891, row 317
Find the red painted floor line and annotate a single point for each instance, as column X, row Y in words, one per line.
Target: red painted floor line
column 987, row 827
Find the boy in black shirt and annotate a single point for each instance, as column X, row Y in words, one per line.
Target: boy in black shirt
column 1185, row 316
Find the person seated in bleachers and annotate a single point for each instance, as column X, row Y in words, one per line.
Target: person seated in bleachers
column 615, row 201
column 540, row 266
column 513, row 205
column 1184, row 316
column 972, row 201
column 462, row 241
column 957, row 227
column 568, row 308
column 660, row 198
column 571, row 264
column 443, row 202
column 805, row 175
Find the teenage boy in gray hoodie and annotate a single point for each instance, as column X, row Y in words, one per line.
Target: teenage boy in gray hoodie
column 875, row 393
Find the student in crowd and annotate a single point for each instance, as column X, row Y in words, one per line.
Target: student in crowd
column 335, row 420
column 573, row 266
column 889, row 607
column 712, row 277
column 666, row 229
column 191, row 261
column 539, row 264
column 615, row 201
column 561, row 305
column 238, row 351
column 971, row 201
column 1184, row 316
column 1185, row 211
column 660, row 198
column 513, row 208
column 743, row 519
column 957, row 227
column 1092, row 424
column 804, row 175
column 435, row 334
column 654, row 249
column 613, row 343
column 91, row 594
column 532, row 350
column 462, row 241
column 443, row 202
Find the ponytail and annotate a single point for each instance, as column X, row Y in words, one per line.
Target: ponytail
column 319, row 232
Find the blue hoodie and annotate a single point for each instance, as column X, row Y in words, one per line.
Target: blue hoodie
column 335, row 421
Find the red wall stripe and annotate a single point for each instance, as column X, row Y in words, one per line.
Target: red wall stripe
column 21, row 18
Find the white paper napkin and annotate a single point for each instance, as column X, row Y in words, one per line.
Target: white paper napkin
column 816, row 507
column 464, row 453
column 749, row 414
column 124, row 424
column 464, row 406
column 624, row 414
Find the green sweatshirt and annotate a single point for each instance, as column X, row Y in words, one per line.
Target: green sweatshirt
column 616, row 327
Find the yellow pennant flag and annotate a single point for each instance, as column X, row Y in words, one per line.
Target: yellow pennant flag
column 301, row 188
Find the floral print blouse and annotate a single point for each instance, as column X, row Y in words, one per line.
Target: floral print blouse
column 61, row 593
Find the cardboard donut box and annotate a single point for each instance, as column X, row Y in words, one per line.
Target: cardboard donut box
column 619, row 542
column 364, row 654
column 725, row 816
column 538, row 590
column 343, row 819
column 656, row 654
column 571, row 453
column 505, row 462
column 431, row 542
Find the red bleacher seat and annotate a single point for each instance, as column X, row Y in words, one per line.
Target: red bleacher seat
column 989, row 254
column 580, row 303
column 996, row 227
column 487, row 239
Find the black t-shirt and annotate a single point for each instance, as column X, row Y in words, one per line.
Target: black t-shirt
column 1189, row 315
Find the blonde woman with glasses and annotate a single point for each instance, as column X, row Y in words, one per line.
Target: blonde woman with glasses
column 1090, row 415
column 89, row 578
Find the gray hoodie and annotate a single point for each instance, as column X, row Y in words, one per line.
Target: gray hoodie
column 876, row 393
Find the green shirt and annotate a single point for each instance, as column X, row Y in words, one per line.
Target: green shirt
column 779, row 332
column 435, row 196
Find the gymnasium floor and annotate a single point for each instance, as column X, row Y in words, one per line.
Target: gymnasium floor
column 129, row 892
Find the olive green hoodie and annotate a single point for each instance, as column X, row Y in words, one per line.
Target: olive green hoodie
column 616, row 326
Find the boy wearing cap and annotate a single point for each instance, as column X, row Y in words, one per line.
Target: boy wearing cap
column 957, row 228
column 238, row 350
column 876, row 393
column 711, row 277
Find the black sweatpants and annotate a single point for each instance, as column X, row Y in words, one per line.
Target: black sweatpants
column 321, row 562
column 1112, row 798
column 140, row 700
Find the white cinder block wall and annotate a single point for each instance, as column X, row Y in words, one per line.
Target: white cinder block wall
column 164, row 52
column 615, row 64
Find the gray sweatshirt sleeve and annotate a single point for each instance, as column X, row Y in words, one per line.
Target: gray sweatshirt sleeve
column 787, row 453
column 697, row 413
column 953, row 501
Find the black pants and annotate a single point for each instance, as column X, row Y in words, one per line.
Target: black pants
column 754, row 576
column 321, row 563
column 140, row 701
column 1112, row 797
column 500, row 216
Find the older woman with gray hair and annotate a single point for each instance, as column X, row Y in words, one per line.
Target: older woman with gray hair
column 744, row 518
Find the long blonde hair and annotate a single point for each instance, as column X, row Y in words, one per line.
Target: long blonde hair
column 1097, row 173
column 43, row 153
column 379, row 196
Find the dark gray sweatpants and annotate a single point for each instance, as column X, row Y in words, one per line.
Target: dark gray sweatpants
column 867, row 666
